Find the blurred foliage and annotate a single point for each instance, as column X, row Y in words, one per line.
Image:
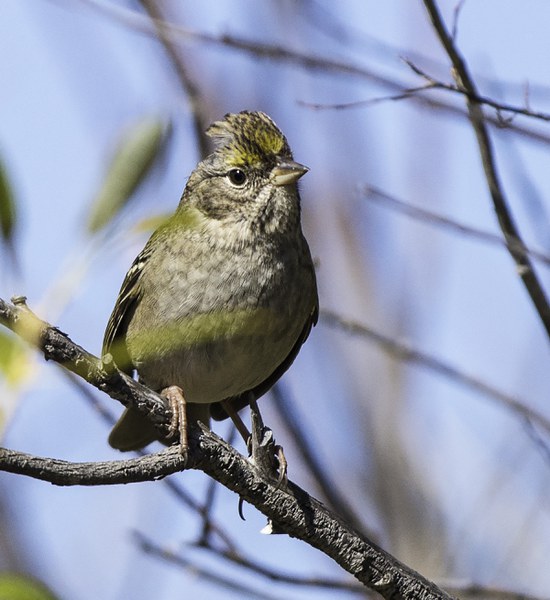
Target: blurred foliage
column 22, row 587
column 7, row 207
column 133, row 158
column 150, row 224
column 14, row 365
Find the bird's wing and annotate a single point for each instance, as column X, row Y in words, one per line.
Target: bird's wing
column 114, row 341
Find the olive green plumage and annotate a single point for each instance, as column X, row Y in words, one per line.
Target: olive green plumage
column 223, row 295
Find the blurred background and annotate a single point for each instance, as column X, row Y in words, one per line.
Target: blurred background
column 419, row 407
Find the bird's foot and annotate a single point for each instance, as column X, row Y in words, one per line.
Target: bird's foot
column 265, row 453
column 178, row 425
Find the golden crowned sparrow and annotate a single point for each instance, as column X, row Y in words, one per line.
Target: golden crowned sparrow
column 223, row 295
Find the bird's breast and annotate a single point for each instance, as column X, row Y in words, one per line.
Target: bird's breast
column 224, row 322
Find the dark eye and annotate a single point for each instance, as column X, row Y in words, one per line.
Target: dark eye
column 237, row 177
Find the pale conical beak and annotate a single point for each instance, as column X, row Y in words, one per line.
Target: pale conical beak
column 287, row 172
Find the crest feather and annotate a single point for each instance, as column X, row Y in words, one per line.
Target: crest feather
column 249, row 137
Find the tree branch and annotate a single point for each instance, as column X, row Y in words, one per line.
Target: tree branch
column 297, row 427
column 196, row 102
column 501, row 107
column 295, row 512
column 509, row 229
column 292, row 510
column 237, row 559
column 284, row 55
column 102, row 374
column 61, row 472
column 405, row 352
column 380, row 197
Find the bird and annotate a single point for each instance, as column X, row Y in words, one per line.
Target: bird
column 217, row 305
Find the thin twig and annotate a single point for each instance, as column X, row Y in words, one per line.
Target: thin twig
column 475, row 591
column 434, row 84
column 410, row 354
column 303, row 60
column 207, row 574
column 427, row 216
column 500, row 202
column 254, row 566
column 284, row 407
column 191, row 89
column 456, row 15
column 540, row 444
column 208, row 524
column 403, row 95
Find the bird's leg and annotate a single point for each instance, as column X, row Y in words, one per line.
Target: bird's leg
column 237, row 421
column 174, row 395
column 267, row 455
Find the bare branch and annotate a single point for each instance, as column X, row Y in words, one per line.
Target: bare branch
column 286, row 412
column 407, row 353
column 196, row 104
column 373, row 193
column 254, row 566
column 292, row 510
column 295, row 512
column 61, row 472
column 500, row 203
column 303, row 60
column 474, row 591
column 434, row 84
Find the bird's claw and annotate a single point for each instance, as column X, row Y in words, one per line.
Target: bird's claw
column 266, row 455
column 178, row 424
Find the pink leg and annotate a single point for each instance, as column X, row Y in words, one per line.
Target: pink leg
column 174, row 395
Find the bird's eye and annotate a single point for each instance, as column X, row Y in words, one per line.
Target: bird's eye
column 237, row 177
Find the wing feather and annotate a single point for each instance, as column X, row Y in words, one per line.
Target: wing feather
column 114, row 341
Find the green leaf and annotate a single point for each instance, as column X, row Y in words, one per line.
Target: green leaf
column 7, row 207
column 133, row 158
column 21, row 587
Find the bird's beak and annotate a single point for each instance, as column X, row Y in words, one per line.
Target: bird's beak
column 287, row 172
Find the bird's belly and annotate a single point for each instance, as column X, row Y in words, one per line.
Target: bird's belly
column 228, row 369
column 229, row 357
column 219, row 369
